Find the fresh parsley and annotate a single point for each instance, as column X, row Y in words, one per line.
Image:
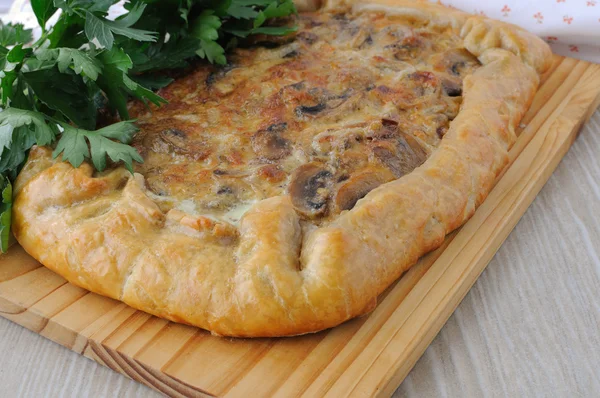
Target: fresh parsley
column 52, row 90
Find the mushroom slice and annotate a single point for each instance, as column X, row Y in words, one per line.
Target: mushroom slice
column 408, row 48
column 325, row 101
column 310, row 188
column 402, row 158
column 387, row 129
column 176, row 138
column 452, row 87
column 180, row 143
column 458, row 62
column 423, row 82
column 269, row 143
column 358, row 186
column 307, row 37
column 411, row 147
column 310, row 110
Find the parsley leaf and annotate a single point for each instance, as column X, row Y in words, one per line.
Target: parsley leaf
column 6, row 85
column 205, row 28
column 206, row 25
column 3, row 53
column 65, row 58
column 117, row 85
column 273, row 30
column 11, row 35
column 274, row 9
column 212, row 51
column 66, row 93
column 102, row 29
column 74, row 149
column 96, row 29
column 171, row 55
column 12, row 118
column 184, row 9
column 11, row 160
column 240, row 11
column 43, row 10
column 73, row 6
column 17, row 54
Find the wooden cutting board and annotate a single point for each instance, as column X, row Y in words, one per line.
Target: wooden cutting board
column 364, row 357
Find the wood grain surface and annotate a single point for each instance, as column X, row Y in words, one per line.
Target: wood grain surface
column 363, row 357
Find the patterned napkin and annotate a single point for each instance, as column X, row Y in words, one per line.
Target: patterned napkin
column 571, row 27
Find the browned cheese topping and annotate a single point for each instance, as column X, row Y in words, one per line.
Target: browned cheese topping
column 326, row 115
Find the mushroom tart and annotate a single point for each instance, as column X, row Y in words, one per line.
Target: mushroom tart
column 282, row 193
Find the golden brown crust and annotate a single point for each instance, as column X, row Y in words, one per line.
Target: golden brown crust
column 273, row 276
column 479, row 33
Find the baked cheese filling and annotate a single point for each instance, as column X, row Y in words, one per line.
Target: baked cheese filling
column 326, row 115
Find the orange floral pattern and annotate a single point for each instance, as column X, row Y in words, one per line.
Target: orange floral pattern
column 571, row 27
